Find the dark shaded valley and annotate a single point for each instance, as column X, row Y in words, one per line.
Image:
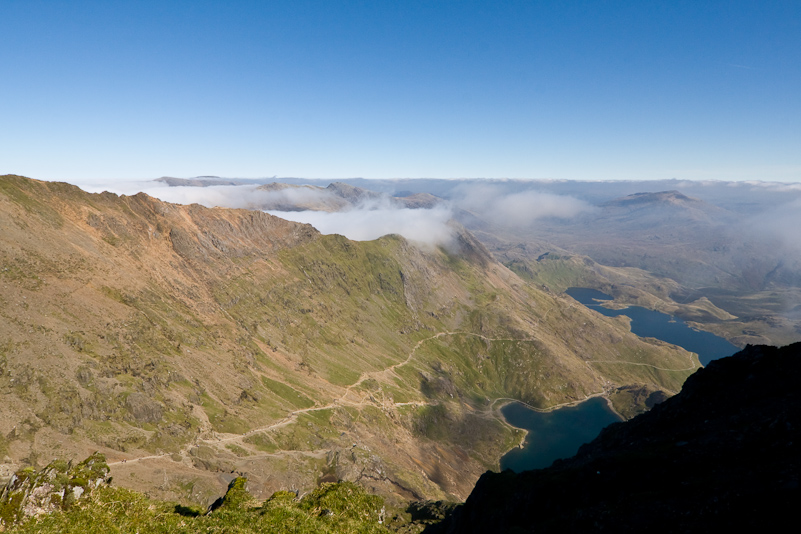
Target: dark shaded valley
column 722, row 454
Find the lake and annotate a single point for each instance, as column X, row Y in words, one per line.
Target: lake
column 650, row 323
column 555, row 434
column 560, row 433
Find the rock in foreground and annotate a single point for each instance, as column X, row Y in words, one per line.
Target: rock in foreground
column 32, row 493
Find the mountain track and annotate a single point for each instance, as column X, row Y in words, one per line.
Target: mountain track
column 341, row 401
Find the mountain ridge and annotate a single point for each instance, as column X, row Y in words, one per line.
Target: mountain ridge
column 187, row 342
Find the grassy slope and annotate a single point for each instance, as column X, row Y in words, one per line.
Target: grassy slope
column 334, row 508
column 209, row 340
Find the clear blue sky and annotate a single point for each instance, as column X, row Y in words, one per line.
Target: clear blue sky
column 576, row 90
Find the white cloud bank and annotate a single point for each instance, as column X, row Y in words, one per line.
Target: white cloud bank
column 519, row 209
column 364, row 223
column 223, row 196
column 369, row 220
column 429, row 226
column 782, row 222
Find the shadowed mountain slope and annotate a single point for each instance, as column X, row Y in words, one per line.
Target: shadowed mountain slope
column 722, row 454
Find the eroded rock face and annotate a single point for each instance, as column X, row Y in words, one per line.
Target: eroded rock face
column 725, row 453
column 143, row 409
column 30, row 493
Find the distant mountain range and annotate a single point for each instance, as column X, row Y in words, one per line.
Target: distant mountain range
column 722, row 254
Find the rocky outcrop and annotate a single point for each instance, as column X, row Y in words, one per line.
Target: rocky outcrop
column 235, row 498
column 355, row 195
column 143, row 408
column 56, row 487
column 723, row 453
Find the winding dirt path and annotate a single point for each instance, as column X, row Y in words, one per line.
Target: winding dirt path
column 292, row 417
column 341, row 401
column 691, row 368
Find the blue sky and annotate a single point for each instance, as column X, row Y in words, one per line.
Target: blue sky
column 567, row 90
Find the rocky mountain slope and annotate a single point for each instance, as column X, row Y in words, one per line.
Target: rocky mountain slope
column 189, row 344
column 723, row 454
column 721, row 254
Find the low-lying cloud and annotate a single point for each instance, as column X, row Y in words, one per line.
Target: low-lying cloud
column 298, row 198
column 428, row 226
column 224, row 196
column 521, row 209
column 365, row 222
column 229, row 196
column 331, row 214
column 782, row 222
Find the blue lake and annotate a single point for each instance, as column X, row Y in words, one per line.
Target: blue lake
column 556, row 434
column 560, row 433
column 650, row 323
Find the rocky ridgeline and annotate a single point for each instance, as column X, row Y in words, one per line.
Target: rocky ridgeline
column 56, row 487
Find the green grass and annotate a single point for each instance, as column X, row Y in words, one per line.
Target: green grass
column 340, row 307
column 556, row 272
column 330, row 509
column 12, row 187
column 287, row 393
column 262, row 441
column 221, row 418
column 237, row 450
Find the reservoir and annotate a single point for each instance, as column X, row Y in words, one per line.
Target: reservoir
column 650, row 323
column 556, row 434
column 560, row 433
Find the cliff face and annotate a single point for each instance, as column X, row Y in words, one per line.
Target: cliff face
column 723, row 453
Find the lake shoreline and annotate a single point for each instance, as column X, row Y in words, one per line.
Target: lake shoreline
column 649, row 323
column 559, row 430
column 500, row 403
column 643, row 323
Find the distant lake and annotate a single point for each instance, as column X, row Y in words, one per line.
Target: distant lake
column 560, row 433
column 556, row 434
column 650, row 323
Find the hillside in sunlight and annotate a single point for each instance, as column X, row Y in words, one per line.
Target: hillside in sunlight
column 190, row 344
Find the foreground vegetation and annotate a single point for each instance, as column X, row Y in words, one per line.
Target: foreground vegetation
column 332, row 508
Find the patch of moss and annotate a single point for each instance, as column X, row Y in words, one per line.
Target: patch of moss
column 237, row 450
column 288, row 393
column 237, row 497
column 262, row 442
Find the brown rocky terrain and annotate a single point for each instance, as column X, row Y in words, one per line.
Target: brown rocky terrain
column 189, row 344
